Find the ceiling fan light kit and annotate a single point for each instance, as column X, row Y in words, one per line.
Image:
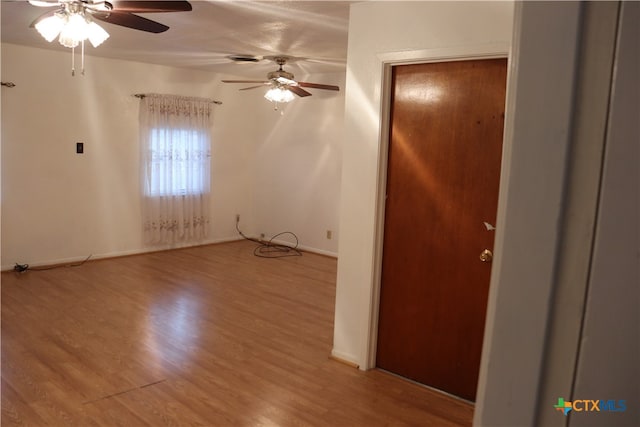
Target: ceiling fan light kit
column 72, row 29
column 279, row 95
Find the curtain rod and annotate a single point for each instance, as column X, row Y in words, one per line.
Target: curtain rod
column 142, row 95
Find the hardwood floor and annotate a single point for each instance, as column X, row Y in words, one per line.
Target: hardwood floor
column 208, row 336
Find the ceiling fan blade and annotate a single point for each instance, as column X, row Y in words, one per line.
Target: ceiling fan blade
column 41, row 17
column 318, row 86
column 298, row 91
column 43, row 3
column 253, row 87
column 245, row 81
column 151, row 6
column 130, row 20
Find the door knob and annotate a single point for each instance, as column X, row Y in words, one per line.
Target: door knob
column 486, row 255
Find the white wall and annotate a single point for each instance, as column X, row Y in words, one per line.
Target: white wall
column 298, row 165
column 59, row 206
column 378, row 29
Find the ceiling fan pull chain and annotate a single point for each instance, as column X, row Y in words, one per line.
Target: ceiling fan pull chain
column 82, row 58
column 73, row 61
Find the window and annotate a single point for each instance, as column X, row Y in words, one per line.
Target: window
column 179, row 162
column 175, row 163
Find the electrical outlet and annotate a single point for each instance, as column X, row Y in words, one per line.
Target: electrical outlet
column 237, row 218
column 329, row 234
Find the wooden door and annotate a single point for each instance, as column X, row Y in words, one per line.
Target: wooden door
column 442, row 187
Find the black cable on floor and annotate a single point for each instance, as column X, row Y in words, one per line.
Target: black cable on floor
column 21, row 268
column 268, row 249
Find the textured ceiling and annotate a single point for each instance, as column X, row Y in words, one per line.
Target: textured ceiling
column 313, row 33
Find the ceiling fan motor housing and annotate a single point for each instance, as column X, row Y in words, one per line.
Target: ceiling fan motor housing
column 274, row 75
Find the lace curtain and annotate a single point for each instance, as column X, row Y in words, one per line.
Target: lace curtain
column 175, row 170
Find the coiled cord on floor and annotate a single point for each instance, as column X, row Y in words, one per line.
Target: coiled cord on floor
column 268, row 249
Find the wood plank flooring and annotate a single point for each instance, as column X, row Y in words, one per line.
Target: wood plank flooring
column 208, row 336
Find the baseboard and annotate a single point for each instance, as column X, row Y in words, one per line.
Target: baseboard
column 307, row 248
column 148, row 249
column 344, row 362
column 344, row 358
column 118, row 254
column 319, row 251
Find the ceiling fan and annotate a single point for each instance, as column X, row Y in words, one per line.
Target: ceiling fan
column 117, row 12
column 73, row 20
column 282, row 84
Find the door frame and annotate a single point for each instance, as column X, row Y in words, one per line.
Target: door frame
column 386, row 61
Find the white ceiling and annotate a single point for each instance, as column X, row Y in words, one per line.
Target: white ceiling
column 313, row 33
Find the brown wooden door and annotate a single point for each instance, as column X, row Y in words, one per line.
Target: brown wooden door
column 442, row 186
